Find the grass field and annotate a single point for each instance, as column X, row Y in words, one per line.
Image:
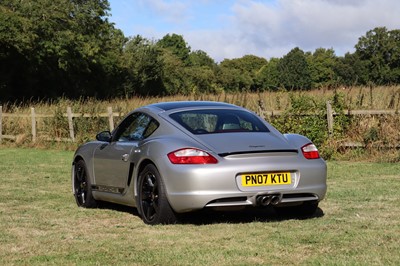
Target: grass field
column 358, row 224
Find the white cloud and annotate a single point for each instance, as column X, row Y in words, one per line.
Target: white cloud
column 267, row 28
column 174, row 11
column 270, row 27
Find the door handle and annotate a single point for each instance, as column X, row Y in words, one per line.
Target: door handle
column 125, row 157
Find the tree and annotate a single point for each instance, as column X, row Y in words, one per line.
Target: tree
column 380, row 48
column 200, row 71
column 268, row 76
column 232, row 79
column 240, row 74
column 321, row 64
column 200, row 58
column 143, row 64
column 200, row 79
column 177, row 45
column 174, row 78
column 350, row 70
column 294, row 70
column 16, row 40
column 58, row 48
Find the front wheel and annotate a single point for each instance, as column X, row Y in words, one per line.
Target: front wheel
column 153, row 204
column 82, row 186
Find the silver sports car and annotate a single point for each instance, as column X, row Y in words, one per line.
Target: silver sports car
column 176, row 157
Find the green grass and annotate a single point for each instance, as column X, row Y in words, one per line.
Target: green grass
column 359, row 223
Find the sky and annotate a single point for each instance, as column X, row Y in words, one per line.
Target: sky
column 227, row 29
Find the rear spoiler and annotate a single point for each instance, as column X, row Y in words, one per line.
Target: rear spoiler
column 224, row 154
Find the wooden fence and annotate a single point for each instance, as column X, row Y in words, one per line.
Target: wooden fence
column 69, row 115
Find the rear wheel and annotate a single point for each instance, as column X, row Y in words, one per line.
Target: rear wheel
column 82, row 186
column 153, row 204
column 307, row 208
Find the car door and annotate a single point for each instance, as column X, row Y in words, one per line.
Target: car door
column 113, row 162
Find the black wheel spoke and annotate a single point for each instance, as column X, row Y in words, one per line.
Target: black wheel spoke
column 150, row 211
column 149, row 196
column 149, row 180
column 146, row 196
column 155, row 194
column 80, row 185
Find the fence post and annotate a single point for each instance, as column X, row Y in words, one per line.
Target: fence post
column 1, row 123
column 33, row 120
column 261, row 108
column 70, row 124
column 110, row 118
column 329, row 117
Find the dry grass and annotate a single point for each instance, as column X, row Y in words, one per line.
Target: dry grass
column 387, row 97
column 375, row 131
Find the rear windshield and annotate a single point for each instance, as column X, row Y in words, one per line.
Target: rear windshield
column 219, row 121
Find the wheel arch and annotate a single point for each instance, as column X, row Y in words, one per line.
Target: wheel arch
column 89, row 170
column 78, row 158
column 83, row 187
column 162, row 212
column 75, row 160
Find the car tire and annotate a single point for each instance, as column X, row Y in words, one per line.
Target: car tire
column 153, row 204
column 82, row 186
column 307, row 208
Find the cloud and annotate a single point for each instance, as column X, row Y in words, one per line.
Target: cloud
column 267, row 26
column 174, row 11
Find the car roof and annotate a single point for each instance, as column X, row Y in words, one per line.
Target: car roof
column 167, row 106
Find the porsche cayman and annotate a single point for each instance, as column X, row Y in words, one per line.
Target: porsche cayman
column 177, row 157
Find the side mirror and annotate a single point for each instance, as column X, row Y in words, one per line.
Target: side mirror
column 104, row 136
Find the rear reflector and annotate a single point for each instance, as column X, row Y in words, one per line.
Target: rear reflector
column 310, row 151
column 191, row 156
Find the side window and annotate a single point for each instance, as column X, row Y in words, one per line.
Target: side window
column 153, row 125
column 136, row 127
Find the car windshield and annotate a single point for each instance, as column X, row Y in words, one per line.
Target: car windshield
column 219, row 121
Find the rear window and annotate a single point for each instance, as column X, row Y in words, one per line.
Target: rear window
column 219, row 121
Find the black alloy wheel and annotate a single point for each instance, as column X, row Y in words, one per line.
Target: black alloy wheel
column 153, row 204
column 82, row 187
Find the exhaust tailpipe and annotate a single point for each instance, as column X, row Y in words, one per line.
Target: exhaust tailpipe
column 276, row 199
column 265, row 200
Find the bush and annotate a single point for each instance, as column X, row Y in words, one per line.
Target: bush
column 307, row 116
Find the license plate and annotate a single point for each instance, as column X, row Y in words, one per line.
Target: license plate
column 266, row 179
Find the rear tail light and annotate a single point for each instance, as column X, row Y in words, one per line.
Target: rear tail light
column 191, row 156
column 310, row 151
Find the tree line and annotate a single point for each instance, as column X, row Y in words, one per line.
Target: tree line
column 69, row 48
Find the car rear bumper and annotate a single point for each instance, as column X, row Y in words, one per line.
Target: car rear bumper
column 185, row 202
column 192, row 187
